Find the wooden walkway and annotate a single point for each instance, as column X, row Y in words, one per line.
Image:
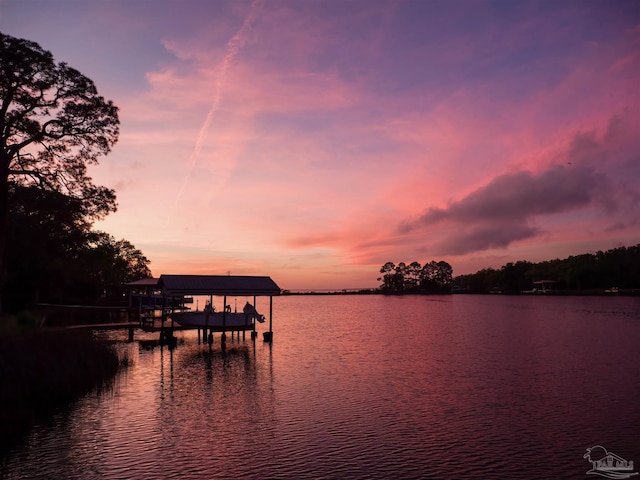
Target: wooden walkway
column 153, row 326
column 105, row 326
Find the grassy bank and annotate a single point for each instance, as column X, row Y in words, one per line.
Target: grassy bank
column 42, row 370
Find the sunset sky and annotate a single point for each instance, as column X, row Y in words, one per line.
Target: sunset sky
column 313, row 141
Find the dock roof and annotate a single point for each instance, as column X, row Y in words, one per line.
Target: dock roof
column 218, row 285
column 145, row 282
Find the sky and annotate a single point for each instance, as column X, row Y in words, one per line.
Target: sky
column 315, row 140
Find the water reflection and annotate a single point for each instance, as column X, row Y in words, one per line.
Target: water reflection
column 375, row 387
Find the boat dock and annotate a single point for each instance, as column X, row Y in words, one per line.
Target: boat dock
column 164, row 305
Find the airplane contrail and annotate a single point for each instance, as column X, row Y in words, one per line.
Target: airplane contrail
column 232, row 49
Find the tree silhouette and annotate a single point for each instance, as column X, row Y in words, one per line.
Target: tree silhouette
column 53, row 124
column 434, row 277
column 53, row 256
column 619, row 267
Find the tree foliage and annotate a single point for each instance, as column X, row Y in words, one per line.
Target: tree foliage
column 53, row 125
column 54, row 256
column 619, row 267
column 433, row 277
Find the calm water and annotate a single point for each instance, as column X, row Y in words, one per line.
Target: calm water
column 367, row 387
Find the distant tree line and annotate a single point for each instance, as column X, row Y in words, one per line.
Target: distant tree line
column 619, row 267
column 433, row 277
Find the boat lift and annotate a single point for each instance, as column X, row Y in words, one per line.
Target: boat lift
column 173, row 286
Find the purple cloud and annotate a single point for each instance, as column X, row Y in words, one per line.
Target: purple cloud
column 482, row 237
column 518, row 196
column 501, row 212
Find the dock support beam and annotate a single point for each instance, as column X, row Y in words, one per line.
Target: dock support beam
column 268, row 336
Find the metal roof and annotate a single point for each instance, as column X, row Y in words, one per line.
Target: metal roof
column 218, row 285
column 145, row 282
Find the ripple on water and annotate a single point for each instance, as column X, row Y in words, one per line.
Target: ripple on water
column 377, row 387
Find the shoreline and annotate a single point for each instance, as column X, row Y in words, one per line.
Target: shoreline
column 43, row 371
column 632, row 292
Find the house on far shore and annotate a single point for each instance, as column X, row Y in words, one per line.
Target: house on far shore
column 542, row 286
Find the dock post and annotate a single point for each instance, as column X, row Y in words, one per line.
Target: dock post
column 131, row 334
column 268, row 336
column 162, row 315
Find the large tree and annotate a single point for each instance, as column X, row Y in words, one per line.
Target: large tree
column 53, row 124
column 54, row 256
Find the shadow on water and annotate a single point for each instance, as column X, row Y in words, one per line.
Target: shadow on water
column 44, row 372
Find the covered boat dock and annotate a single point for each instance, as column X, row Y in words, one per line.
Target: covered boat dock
column 173, row 287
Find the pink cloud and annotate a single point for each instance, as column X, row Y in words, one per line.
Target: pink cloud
column 308, row 154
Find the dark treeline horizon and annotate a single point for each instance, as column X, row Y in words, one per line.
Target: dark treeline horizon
column 616, row 268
